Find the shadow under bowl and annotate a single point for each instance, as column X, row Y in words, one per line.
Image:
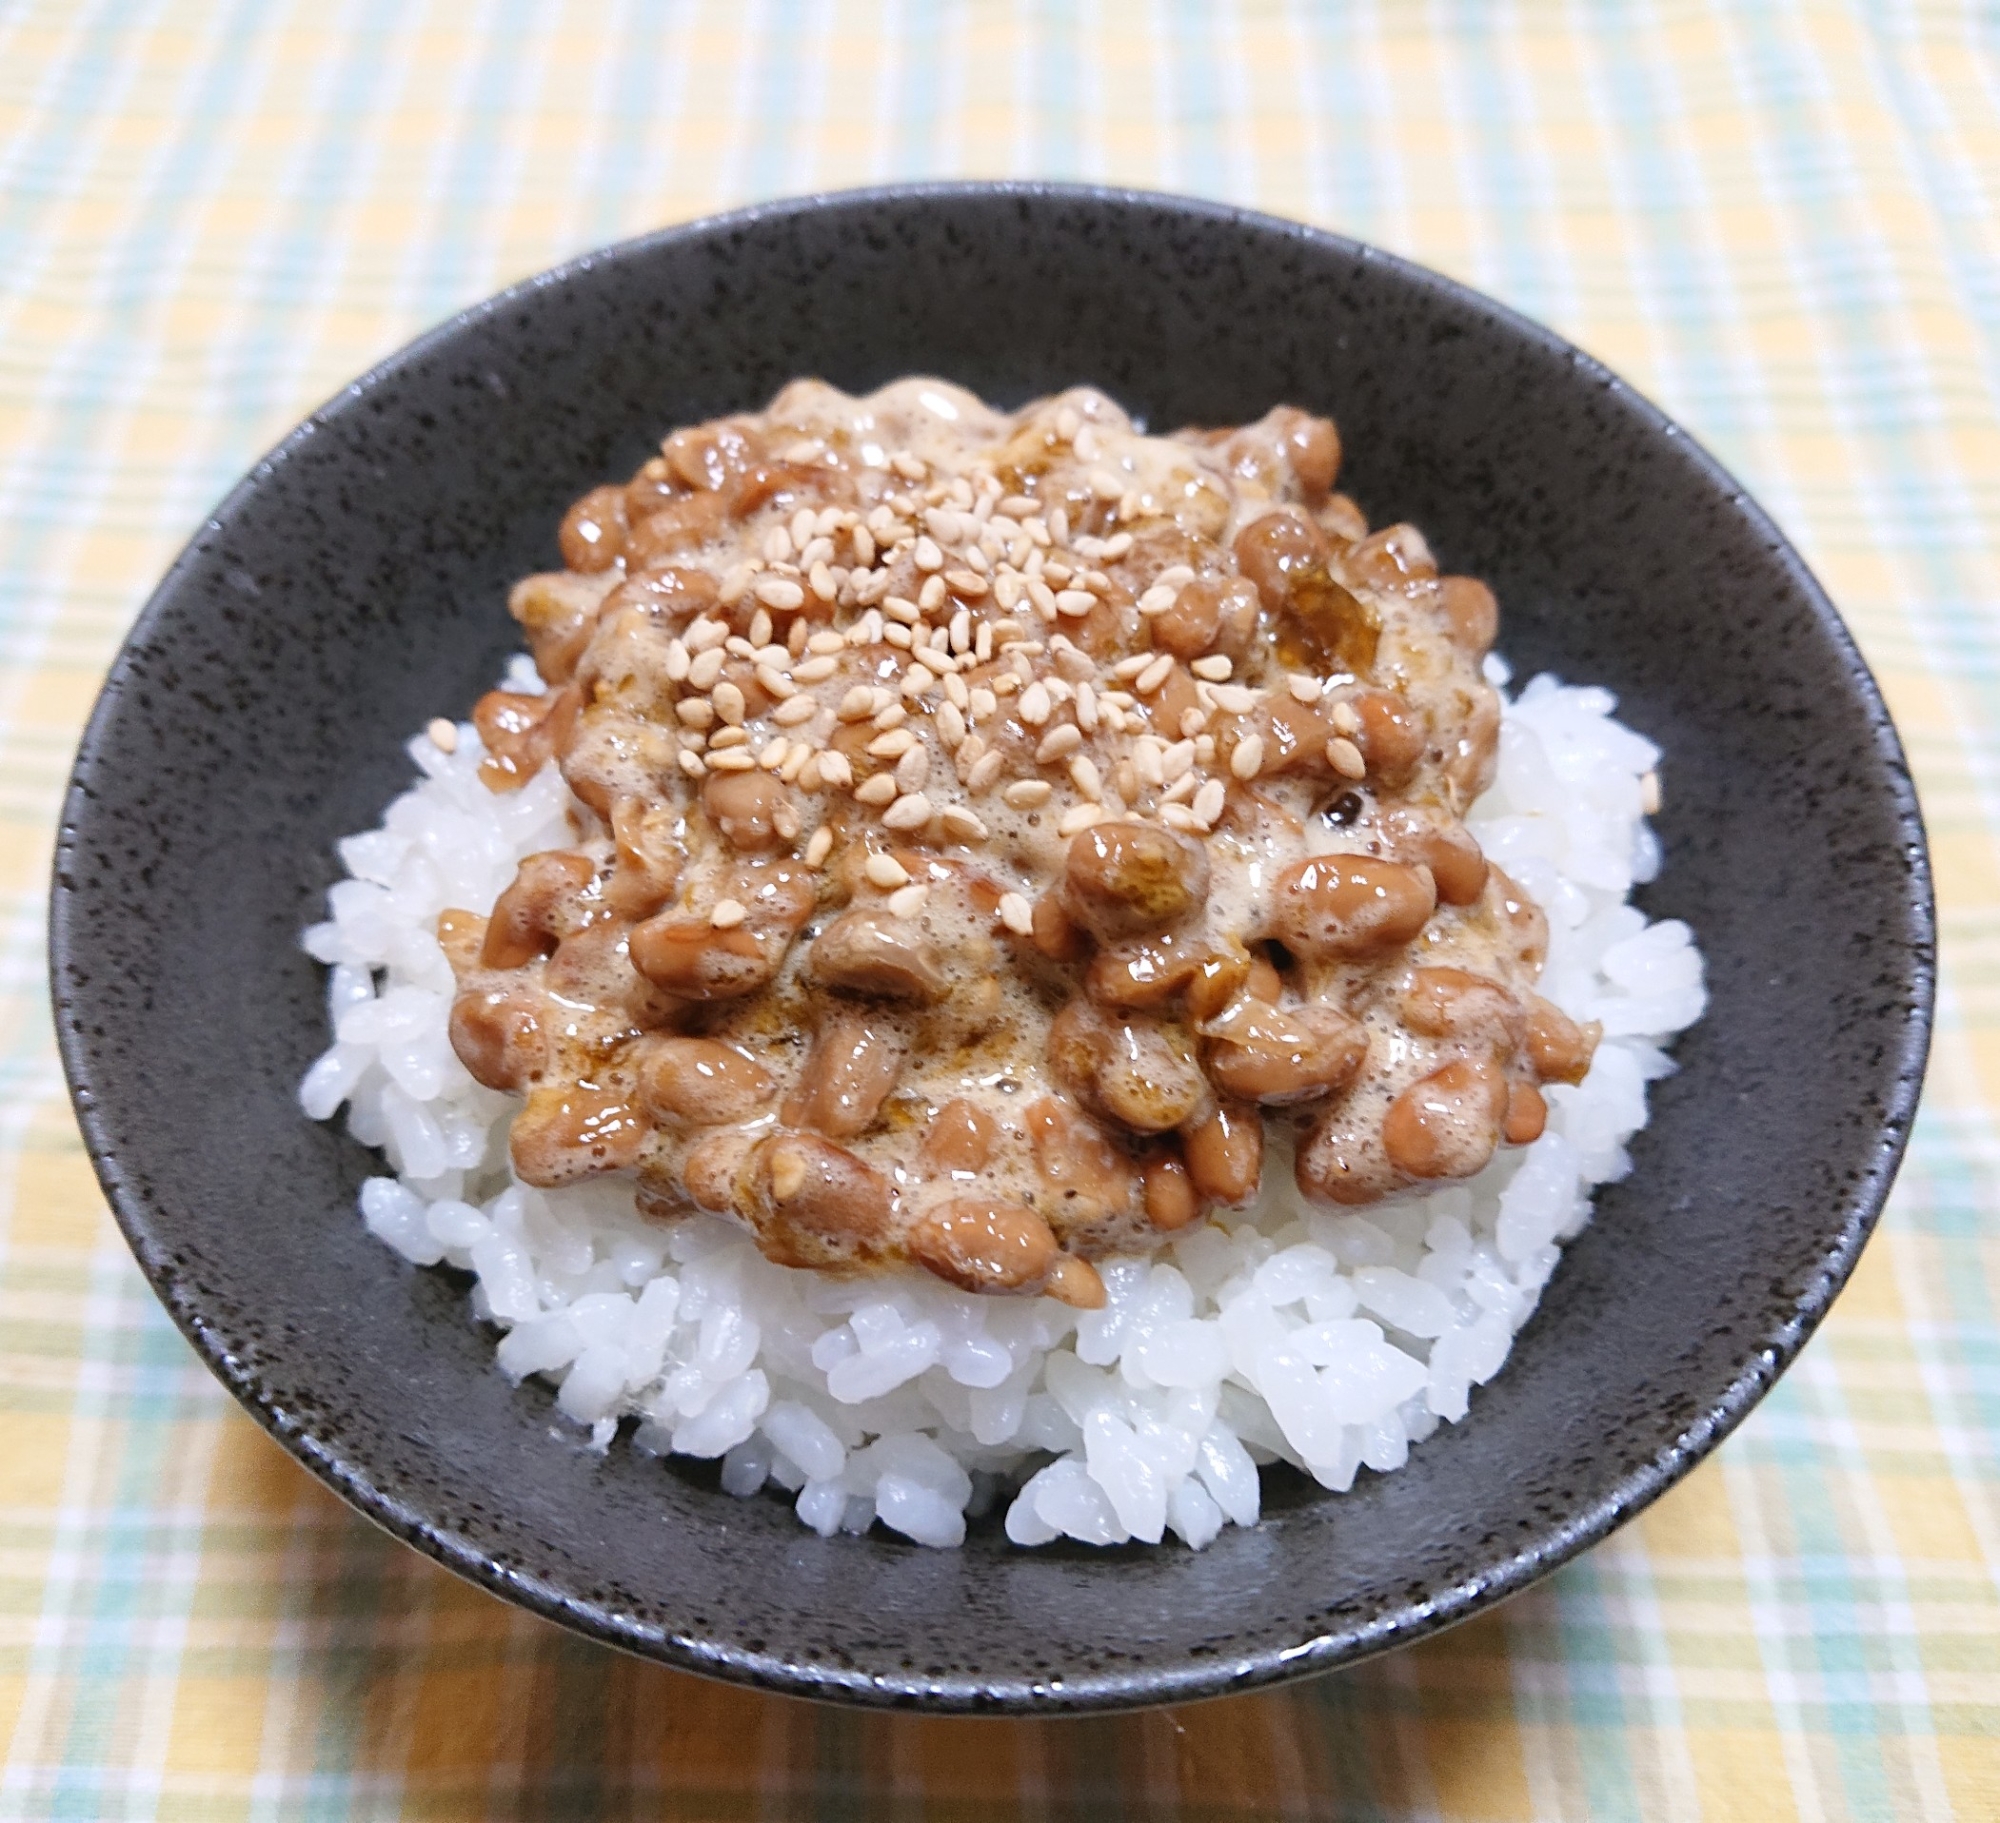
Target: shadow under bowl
column 351, row 587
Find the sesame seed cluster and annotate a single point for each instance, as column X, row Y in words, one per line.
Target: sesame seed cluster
column 985, row 822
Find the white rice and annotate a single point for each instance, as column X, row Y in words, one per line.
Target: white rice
column 1331, row 1340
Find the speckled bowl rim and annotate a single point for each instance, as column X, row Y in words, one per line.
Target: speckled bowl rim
column 1398, row 1621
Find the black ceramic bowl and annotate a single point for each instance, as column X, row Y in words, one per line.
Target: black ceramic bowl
column 351, row 587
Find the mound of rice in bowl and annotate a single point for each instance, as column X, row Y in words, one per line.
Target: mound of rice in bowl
column 969, row 1334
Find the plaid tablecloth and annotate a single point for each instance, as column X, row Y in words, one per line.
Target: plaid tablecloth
column 1779, row 217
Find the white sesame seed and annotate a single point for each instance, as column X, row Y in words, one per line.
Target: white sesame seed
column 1345, row 719
column 1248, row 759
column 1085, row 776
column 914, row 769
column 967, row 585
column 836, row 769
column 885, row 871
column 912, row 811
column 792, row 770
column 857, row 705
column 1305, row 689
column 876, row 792
column 927, row 556
column 703, row 633
column 950, row 723
column 692, row 763
column 916, row 680
column 1017, row 914
column 1179, row 816
column 1034, row 707
column 795, row 712
column 888, row 712
column 1154, row 675
column 1157, row 600
column 812, row 774
column 1233, row 699
column 1215, row 668
column 443, row 733
column 695, row 712
column 1345, row 758
column 760, row 627
column 907, row 466
column 1075, row 603
column 678, row 660
column 1078, row 818
column 818, row 848
column 1649, row 793
column 1116, row 546
column 820, row 580
column 733, row 736
column 1075, row 665
column 1146, row 758
column 728, row 913
column 775, row 683
column 706, row 667
column 907, row 901
column 901, row 608
column 985, row 770
column 931, row 595
column 1174, row 576
column 961, row 631
column 772, row 755
column 736, row 584
column 893, row 745
column 961, row 824
column 1086, row 708
column 737, row 759
column 955, row 691
column 1085, row 443
column 1026, row 794
column 863, row 541
column 1208, row 801
column 822, row 644
column 816, row 670
column 728, row 701
column 777, row 545
column 1059, row 743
